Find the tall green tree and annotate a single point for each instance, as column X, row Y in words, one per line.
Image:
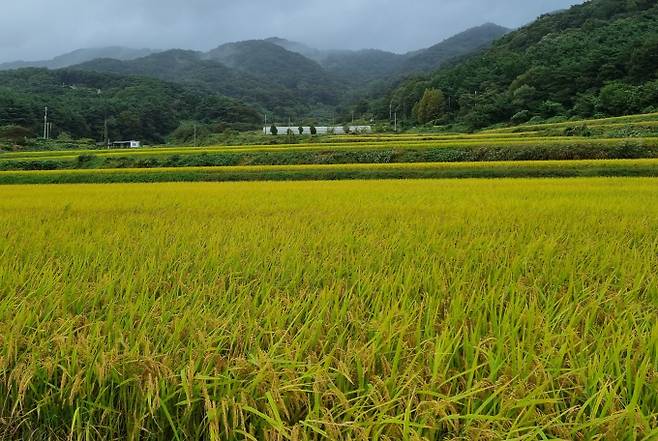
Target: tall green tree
column 430, row 106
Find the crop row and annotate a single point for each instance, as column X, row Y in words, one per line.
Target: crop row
column 646, row 167
column 620, row 120
column 531, row 143
column 388, row 143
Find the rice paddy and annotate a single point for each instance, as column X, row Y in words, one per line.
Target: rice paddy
column 407, row 155
column 355, row 310
column 153, row 306
column 500, row 169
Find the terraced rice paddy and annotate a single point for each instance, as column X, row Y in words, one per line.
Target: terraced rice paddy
column 389, row 156
column 518, row 169
column 357, row 310
column 642, row 120
column 376, row 144
column 149, row 307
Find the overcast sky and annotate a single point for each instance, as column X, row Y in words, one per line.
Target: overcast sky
column 36, row 29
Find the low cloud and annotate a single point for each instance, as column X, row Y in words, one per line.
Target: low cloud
column 36, row 29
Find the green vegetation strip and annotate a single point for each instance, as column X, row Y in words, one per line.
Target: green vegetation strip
column 562, row 149
column 620, row 120
column 647, row 167
column 376, row 145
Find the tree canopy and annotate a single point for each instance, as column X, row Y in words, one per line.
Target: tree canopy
column 598, row 58
column 80, row 104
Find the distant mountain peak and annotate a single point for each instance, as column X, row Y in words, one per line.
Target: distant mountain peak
column 83, row 55
column 464, row 43
column 300, row 48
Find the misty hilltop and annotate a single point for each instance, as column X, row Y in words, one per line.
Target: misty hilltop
column 277, row 75
column 39, row 30
column 80, row 56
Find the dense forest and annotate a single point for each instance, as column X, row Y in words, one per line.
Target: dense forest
column 284, row 92
column 80, row 104
column 599, row 58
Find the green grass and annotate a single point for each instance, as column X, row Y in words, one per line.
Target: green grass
column 388, row 310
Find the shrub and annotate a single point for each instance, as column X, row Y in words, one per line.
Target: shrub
column 521, row 117
column 14, row 134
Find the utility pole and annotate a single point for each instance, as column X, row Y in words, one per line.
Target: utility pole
column 396, row 122
column 194, row 134
column 45, row 124
column 265, row 130
column 352, row 117
column 106, row 140
column 390, row 112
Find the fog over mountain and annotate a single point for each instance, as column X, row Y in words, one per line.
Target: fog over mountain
column 41, row 29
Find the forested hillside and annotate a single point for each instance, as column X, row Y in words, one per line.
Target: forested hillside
column 599, row 58
column 276, row 65
column 290, row 79
column 191, row 69
column 258, row 73
column 281, row 78
column 359, row 68
column 135, row 108
column 462, row 44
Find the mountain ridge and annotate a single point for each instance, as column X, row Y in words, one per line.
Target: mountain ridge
column 80, row 56
column 275, row 74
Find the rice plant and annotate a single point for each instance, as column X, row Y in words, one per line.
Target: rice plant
column 360, row 310
column 499, row 169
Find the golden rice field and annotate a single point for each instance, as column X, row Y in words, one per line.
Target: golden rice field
column 353, row 310
column 435, row 170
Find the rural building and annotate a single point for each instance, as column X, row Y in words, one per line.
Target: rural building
column 282, row 130
column 127, row 144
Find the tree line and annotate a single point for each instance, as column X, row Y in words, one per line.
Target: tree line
column 92, row 105
column 596, row 59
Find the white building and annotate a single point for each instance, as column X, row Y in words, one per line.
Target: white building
column 127, row 144
column 283, row 130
